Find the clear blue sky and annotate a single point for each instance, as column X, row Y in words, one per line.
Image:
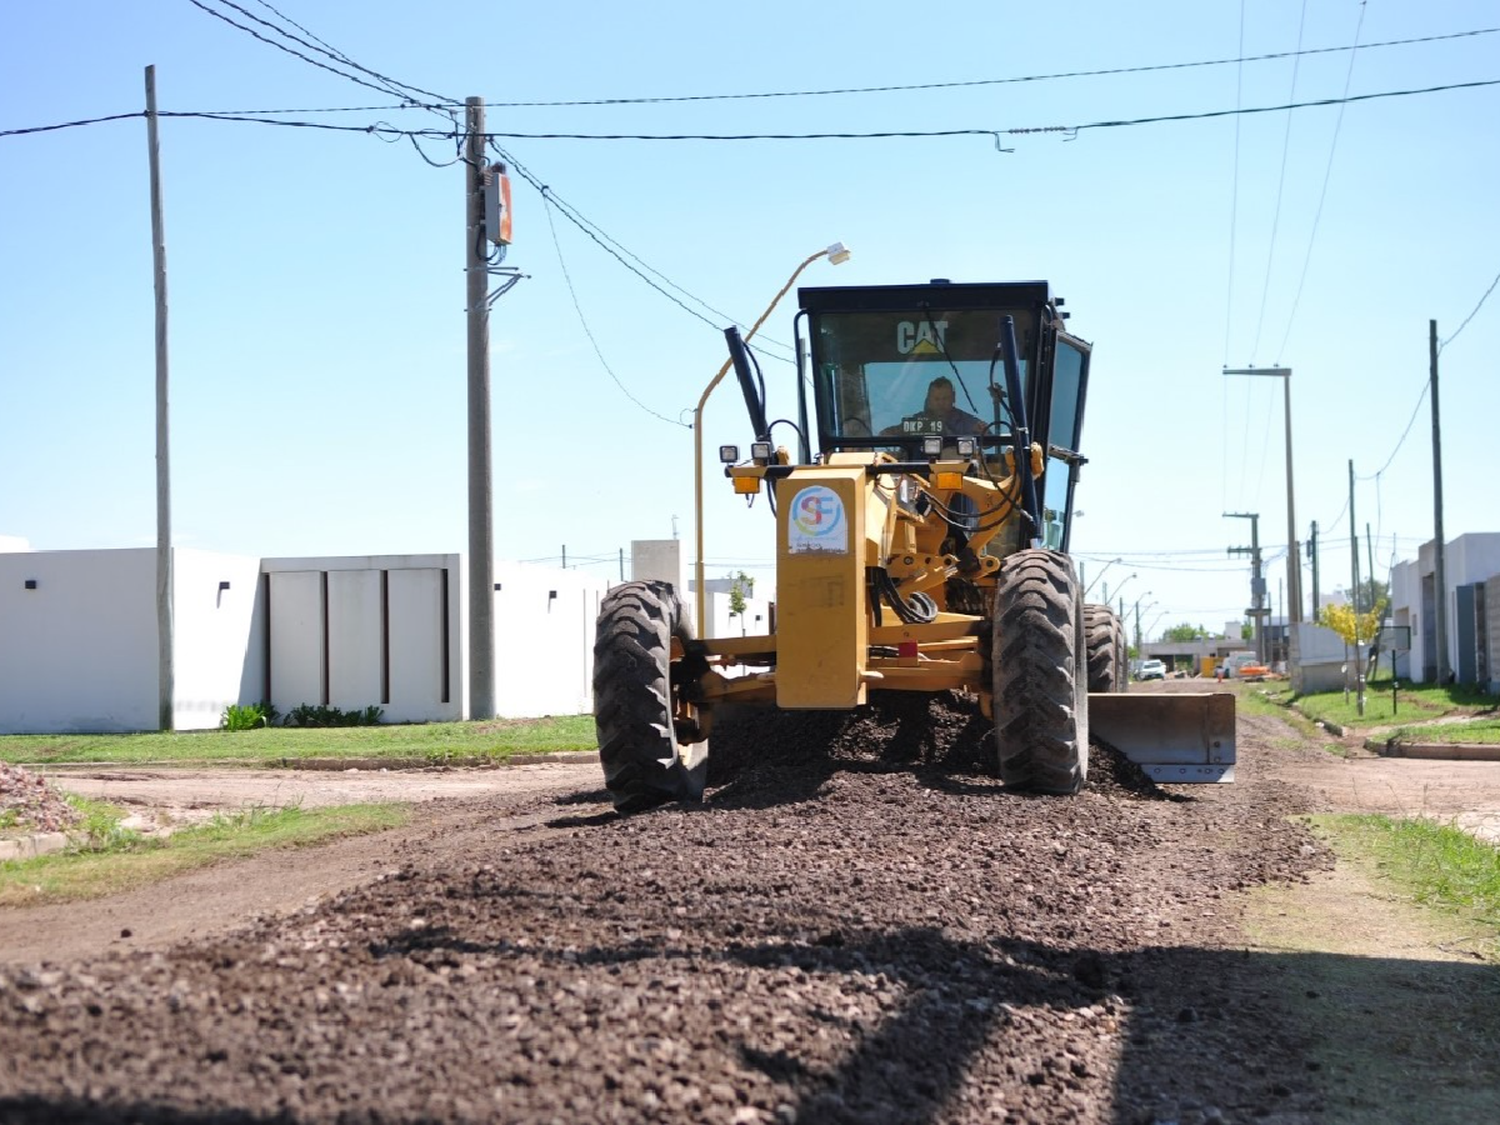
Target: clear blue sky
column 317, row 329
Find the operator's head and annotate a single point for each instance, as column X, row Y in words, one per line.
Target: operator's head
column 940, row 395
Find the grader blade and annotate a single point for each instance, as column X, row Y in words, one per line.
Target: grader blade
column 1174, row 737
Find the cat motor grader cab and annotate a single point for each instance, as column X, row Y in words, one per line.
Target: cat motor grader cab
column 922, row 548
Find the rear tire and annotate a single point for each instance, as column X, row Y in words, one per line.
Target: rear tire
column 1040, row 674
column 1106, row 648
column 649, row 739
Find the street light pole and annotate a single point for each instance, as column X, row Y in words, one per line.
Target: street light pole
column 836, row 254
column 1118, row 588
column 1102, row 572
column 1293, row 558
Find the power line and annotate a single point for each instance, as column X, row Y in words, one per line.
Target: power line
column 70, row 124
column 1471, row 316
column 447, row 104
column 579, row 219
column 1286, row 146
column 289, row 50
column 1323, row 194
column 1426, row 385
column 1421, row 398
column 388, row 85
column 996, row 134
column 587, row 331
column 399, row 89
column 1242, row 58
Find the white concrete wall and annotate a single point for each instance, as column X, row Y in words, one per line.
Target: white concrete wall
column 1318, row 658
column 383, row 617
column 218, row 636
column 719, row 622
column 78, row 653
column 661, row 559
column 544, row 640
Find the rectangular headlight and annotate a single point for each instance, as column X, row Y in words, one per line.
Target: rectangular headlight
column 760, row 452
column 932, row 446
column 729, row 454
column 966, row 447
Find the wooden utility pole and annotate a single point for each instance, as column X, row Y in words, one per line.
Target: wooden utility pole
column 481, row 497
column 165, row 671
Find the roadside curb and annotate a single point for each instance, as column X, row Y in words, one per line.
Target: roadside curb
column 1455, row 752
column 29, row 847
column 325, row 764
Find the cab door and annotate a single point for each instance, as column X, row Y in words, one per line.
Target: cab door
column 1070, row 379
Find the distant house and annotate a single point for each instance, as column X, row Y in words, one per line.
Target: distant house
column 1471, row 565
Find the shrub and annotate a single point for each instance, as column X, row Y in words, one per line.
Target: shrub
column 322, row 715
column 248, row 717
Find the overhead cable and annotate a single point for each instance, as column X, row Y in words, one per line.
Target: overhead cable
column 587, row 331
column 1471, row 316
column 1323, row 194
column 1286, row 147
column 290, row 50
column 381, row 127
column 1242, row 58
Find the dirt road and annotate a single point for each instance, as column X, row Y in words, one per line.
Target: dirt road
column 859, row 925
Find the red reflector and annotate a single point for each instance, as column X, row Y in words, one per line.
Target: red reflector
column 907, row 649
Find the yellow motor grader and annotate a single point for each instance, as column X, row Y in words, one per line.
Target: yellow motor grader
column 922, row 548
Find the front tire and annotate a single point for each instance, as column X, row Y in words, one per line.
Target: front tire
column 1040, row 674
column 650, row 743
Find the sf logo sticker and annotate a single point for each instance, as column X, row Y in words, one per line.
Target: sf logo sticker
column 817, row 522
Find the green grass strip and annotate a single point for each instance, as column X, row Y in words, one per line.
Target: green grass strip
column 1438, row 865
column 1412, row 704
column 111, row 860
column 1475, row 731
column 483, row 742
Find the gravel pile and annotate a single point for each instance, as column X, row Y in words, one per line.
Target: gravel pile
column 860, row 925
column 28, row 804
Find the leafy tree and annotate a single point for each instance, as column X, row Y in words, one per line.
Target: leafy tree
column 741, row 586
column 1247, row 631
column 1185, row 633
column 1356, row 629
column 1372, row 591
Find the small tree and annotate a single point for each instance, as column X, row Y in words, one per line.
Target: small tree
column 1356, row 629
column 1185, row 633
column 741, row 586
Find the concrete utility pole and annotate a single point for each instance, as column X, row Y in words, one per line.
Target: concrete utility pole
column 1359, row 663
column 1293, row 563
column 1353, row 547
column 1257, row 611
column 1440, row 578
column 481, row 497
column 166, row 678
column 1312, row 553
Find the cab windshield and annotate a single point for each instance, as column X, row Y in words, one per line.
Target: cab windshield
column 906, row 374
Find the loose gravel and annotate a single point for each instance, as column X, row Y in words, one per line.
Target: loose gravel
column 859, row 925
column 29, row 804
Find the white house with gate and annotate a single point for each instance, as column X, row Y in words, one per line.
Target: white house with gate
column 1471, row 572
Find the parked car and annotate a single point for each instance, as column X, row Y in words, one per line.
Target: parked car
column 1152, row 670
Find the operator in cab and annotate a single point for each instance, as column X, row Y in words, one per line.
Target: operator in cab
column 942, row 414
